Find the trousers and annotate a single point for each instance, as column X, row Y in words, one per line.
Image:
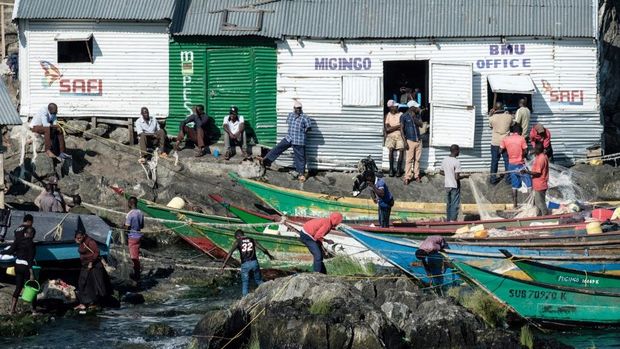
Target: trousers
column 453, row 203
column 299, row 154
column 151, row 139
column 247, row 268
column 317, row 253
column 50, row 133
column 412, row 165
column 495, row 154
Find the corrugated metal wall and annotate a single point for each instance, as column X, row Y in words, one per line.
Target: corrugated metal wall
column 130, row 65
column 219, row 75
column 343, row 135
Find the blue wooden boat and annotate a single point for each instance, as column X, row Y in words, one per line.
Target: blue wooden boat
column 54, row 240
column 401, row 253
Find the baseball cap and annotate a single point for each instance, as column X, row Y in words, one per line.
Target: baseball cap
column 297, row 104
column 391, row 103
column 413, row 104
column 234, row 109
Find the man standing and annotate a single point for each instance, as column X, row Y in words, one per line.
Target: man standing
column 47, row 201
column 134, row 223
column 540, row 179
column 249, row 263
column 150, row 134
column 451, row 169
column 500, row 121
column 313, row 234
column 45, row 123
column 234, row 133
column 522, row 117
column 410, row 133
column 196, row 128
column 382, row 196
column 516, row 148
column 541, row 134
column 393, row 138
column 298, row 125
column 77, row 206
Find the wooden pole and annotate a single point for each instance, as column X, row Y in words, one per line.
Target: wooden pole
column 1, row 180
column 2, row 30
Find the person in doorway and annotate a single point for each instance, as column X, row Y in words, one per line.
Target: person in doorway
column 234, row 133
column 410, row 123
column 540, row 179
column 451, row 169
column 149, row 134
column 313, row 234
column 47, row 201
column 134, row 223
column 432, row 260
column 541, row 134
column 23, row 248
column 522, row 117
column 516, row 148
column 499, row 121
column 46, row 124
column 393, row 138
column 77, row 206
column 196, row 128
column 298, row 125
column 382, row 196
column 94, row 285
column 249, row 263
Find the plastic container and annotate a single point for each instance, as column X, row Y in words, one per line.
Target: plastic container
column 594, row 228
column 36, row 270
column 481, row 234
column 553, row 205
column 602, row 214
column 216, row 152
column 30, row 293
column 176, row 203
column 10, row 271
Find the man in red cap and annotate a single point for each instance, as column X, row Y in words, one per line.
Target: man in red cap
column 313, row 235
column 541, row 134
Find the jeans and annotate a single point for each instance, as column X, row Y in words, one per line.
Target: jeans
column 453, row 203
column 495, row 154
column 299, row 155
column 434, row 268
column 384, row 216
column 230, row 144
column 246, row 268
column 317, row 253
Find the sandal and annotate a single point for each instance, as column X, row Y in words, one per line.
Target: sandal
column 199, row 153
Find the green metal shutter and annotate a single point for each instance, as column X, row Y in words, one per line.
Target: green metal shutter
column 265, row 63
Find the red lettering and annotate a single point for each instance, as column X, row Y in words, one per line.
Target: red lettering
column 79, row 86
column 576, row 95
column 553, row 94
column 92, row 86
column 65, row 86
column 100, row 87
column 565, row 96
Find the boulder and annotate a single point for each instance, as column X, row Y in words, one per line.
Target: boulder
column 133, row 298
column 44, row 166
column 100, row 131
column 120, row 135
column 76, row 127
column 160, row 330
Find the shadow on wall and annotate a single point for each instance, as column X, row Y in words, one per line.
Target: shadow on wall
column 312, row 148
column 609, row 72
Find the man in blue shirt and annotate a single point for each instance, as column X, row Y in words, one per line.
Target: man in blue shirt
column 298, row 125
column 409, row 130
column 134, row 223
column 382, row 196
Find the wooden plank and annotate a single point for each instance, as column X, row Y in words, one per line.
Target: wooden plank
column 2, row 30
column 130, row 128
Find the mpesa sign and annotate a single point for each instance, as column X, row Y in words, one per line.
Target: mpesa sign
column 75, row 87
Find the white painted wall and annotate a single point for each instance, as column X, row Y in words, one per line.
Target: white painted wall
column 344, row 134
column 131, row 59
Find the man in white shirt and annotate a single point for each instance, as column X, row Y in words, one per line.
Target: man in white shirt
column 45, row 123
column 451, row 169
column 149, row 134
column 234, row 133
column 522, row 117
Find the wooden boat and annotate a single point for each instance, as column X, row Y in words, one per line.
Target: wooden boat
column 299, row 203
column 554, row 275
column 546, row 303
column 569, row 236
column 55, row 233
column 401, row 253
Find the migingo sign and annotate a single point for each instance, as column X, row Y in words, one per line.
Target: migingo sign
column 342, row 63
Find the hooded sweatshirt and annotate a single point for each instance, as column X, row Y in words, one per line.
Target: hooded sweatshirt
column 319, row 227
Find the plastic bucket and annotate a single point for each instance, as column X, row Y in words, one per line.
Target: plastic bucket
column 594, row 228
column 553, row 205
column 177, row 203
column 30, row 293
column 10, row 271
column 36, row 270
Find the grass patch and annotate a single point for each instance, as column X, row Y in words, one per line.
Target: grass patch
column 481, row 304
column 345, row 266
column 321, row 306
column 254, row 342
column 527, row 337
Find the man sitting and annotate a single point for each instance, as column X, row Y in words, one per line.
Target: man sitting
column 196, row 128
column 45, row 123
column 234, row 134
column 150, row 134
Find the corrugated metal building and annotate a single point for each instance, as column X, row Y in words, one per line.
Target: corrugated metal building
column 98, row 58
column 8, row 112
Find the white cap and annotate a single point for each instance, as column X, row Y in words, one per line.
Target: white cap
column 297, row 104
column 413, row 104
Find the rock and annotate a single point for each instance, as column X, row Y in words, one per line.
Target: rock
column 100, row 131
column 44, row 166
column 160, row 330
column 120, row 135
column 611, row 190
column 20, row 325
column 133, row 298
column 250, row 169
column 76, row 127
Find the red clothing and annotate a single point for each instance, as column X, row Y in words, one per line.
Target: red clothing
column 541, row 165
column 536, row 137
column 89, row 251
column 433, row 243
column 514, row 145
column 319, row 227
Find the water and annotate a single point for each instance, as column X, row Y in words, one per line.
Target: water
column 589, row 338
column 124, row 327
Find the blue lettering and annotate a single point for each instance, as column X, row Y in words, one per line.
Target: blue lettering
column 487, row 63
column 514, row 63
column 480, row 64
column 493, row 50
column 520, row 49
column 357, row 63
column 346, row 63
column 506, row 49
column 496, row 62
column 366, row 63
column 320, row 64
column 527, row 63
column 333, row 63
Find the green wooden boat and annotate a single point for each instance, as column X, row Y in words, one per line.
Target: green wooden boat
column 556, row 275
column 306, row 204
column 544, row 303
